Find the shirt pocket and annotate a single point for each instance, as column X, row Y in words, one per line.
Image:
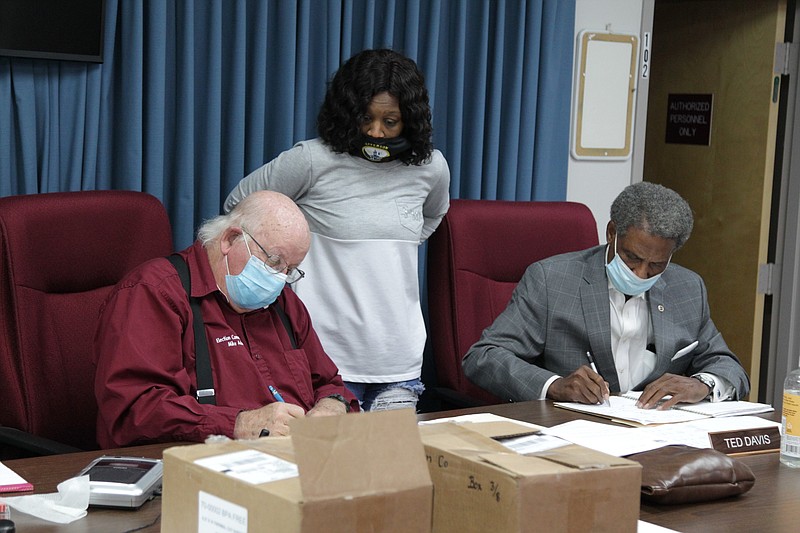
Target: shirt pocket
column 297, row 363
column 410, row 215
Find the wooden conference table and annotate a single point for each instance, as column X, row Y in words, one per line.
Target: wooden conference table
column 772, row 505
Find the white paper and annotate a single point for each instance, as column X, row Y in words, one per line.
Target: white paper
column 647, row 527
column 65, row 506
column 607, row 438
column 479, row 418
column 10, row 478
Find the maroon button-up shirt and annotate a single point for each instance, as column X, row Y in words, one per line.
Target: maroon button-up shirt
column 145, row 357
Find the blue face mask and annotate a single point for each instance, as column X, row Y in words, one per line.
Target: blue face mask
column 254, row 287
column 624, row 279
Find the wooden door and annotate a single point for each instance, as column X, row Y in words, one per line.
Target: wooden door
column 725, row 49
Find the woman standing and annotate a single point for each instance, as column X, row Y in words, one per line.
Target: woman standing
column 372, row 188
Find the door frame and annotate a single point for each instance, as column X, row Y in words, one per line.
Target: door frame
column 783, row 350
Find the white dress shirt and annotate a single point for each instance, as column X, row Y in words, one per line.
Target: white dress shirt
column 631, row 332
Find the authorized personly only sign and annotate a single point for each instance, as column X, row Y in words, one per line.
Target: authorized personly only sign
column 689, row 119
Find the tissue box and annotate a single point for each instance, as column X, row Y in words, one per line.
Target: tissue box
column 480, row 485
column 356, row 472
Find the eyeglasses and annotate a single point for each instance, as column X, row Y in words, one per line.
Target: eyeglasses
column 275, row 263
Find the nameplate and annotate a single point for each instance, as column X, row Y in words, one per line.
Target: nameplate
column 756, row 440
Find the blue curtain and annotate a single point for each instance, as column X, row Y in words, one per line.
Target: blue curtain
column 193, row 95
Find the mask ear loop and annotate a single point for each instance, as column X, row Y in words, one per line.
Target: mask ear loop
column 608, row 262
column 624, row 264
column 228, row 268
column 244, row 238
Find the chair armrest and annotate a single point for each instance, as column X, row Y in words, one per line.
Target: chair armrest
column 452, row 399
column 32, row 443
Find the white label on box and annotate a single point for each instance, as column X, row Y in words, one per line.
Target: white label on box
column 250, row 466
column 533, row 443
column 215, row 515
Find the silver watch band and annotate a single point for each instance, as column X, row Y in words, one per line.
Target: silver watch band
column 708, row 382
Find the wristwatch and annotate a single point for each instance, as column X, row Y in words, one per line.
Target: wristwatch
column 341, row 399
column 708, row 382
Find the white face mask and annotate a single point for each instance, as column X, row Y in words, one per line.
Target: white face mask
column 625, row 280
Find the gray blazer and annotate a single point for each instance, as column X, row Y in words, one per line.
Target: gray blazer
column 560, row 310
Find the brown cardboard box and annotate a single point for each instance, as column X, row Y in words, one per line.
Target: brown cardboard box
column 358, row 472
column 480, row 485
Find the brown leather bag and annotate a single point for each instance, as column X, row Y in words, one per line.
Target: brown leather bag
column 683, row 474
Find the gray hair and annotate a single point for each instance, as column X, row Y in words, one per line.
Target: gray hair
column 248, row 214
column 654, row 209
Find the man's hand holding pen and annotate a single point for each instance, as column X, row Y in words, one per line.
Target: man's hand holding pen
column 274, row 416
column 273, row 419
column 582, row 386
column 593, row 366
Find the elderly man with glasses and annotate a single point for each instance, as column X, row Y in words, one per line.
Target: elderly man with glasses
column 267, row 364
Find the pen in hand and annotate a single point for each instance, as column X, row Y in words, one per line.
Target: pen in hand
column 593, row 366
column 276, row 394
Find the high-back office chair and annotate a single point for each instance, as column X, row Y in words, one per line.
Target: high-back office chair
column 60, row 255
column 475, row 259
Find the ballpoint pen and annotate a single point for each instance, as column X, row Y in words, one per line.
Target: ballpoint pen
column 593, row 366
column 276, row 394
column 278, row 398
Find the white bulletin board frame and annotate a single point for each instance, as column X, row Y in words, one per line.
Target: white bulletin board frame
column 605, row 81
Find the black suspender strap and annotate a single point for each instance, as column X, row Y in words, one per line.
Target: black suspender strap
column 205, row 379
column 286, row 323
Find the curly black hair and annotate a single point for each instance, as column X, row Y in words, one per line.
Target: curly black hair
column 351, row 90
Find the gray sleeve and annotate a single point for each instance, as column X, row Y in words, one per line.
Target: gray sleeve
column 502, row 361
column 717, row 358
column 289, row 173
column 438, row 201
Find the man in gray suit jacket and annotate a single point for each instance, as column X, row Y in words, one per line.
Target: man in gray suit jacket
column 622, row 308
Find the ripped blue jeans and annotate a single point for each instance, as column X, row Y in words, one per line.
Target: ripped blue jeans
column 385, row 396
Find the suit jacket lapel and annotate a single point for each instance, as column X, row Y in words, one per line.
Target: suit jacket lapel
column 660, row 317
column 597, row 316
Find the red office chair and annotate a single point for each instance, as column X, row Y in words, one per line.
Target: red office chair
column 60, row 255
column 475, row 259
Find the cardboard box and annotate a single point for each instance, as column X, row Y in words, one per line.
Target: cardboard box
column 480, row 485
column 358, row 472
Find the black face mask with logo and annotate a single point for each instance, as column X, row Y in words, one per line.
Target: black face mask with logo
column 380, row 150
